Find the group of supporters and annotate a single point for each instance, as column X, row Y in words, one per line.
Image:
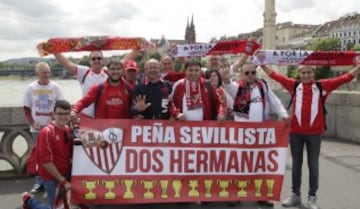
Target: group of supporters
column 120, row 91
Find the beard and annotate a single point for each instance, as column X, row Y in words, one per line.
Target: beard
column 114, row 80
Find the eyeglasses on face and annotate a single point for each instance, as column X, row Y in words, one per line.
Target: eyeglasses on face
column 96, row 58
column 62, row 113
column 250, row 72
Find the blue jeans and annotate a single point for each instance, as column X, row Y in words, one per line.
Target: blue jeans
column 313, row 144
column 34, row 138
column 50, row 188
column 36, row 204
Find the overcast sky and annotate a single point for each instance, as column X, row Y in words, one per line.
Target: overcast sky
column 24, row 23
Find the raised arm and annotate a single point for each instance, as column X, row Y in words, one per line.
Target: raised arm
column 240, row 62
column 66, row 63
column 331, row 84
column 268, row 70
column 356, row 71
column 130, row 56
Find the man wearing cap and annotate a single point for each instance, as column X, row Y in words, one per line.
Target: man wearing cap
column 307, row 124
column 131, row 73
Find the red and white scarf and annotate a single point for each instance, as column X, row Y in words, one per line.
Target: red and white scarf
column 193, row 94
column 217, row 48
column 295, row 57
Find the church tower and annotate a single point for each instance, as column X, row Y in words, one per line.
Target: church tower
column 190, row 35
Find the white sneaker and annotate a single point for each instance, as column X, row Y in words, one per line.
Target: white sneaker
column 293, row 200
column 312, row 202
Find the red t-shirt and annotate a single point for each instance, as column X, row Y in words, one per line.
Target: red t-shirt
column 307, row 111
column 54, row 145
column 113, row 103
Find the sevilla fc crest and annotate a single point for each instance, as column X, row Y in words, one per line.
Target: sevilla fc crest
column 103, row 148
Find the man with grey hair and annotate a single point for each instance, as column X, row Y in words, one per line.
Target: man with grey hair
column 38, row 103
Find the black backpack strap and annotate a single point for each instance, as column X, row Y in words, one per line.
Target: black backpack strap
column 84, row 77
column 262, row 91
column 322, row 100
column 296, row 84
column 211, row 96
column 98, row 94
column 266, row 85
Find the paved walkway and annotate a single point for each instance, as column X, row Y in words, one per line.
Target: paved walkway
column 339, row 184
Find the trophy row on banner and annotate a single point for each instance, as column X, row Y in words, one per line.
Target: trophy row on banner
column 211, row 188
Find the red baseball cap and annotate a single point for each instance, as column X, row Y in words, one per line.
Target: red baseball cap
column 131, row 65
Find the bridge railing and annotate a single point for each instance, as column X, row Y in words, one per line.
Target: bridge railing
column 15, row 140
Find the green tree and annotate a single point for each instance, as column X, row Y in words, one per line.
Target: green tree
column 356, row 48
column 330, row 44
column 203, row 62
column 178, row 65
column 155, row 55
column 293, row 72
column 84, row 60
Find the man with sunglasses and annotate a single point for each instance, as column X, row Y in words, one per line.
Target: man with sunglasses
column 89, row 76
column 307, row 124
column 252, row 97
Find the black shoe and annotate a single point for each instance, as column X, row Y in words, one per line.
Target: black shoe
column 37, row 188
column 233, row 204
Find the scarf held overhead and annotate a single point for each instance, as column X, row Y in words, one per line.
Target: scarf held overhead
column 218, row 48
column 91, row 43
column 292, row 57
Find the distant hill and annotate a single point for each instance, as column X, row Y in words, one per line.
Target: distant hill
column 27, row 60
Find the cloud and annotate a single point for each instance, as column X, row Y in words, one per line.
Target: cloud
column 33, row 8
column 24, row 23
column 27, row 20
column 289, row 6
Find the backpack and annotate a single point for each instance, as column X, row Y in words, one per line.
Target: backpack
column 322, row 97
column 32, row 161
column 86, row 74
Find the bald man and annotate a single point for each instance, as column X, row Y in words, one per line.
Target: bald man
column 151, row 99
column 38, row 102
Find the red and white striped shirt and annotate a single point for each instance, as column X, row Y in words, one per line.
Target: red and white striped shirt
column 307, row 111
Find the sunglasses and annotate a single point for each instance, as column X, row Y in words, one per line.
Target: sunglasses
column 96, row 58
column 306, row 72
column 248, row 72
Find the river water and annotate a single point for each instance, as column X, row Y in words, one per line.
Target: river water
column 11, row 95
column 12, row 91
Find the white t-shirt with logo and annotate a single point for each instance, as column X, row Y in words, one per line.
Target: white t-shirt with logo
column 91, row 79
column 41, row 100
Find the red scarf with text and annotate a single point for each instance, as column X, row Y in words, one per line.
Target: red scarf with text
column 193, row 94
